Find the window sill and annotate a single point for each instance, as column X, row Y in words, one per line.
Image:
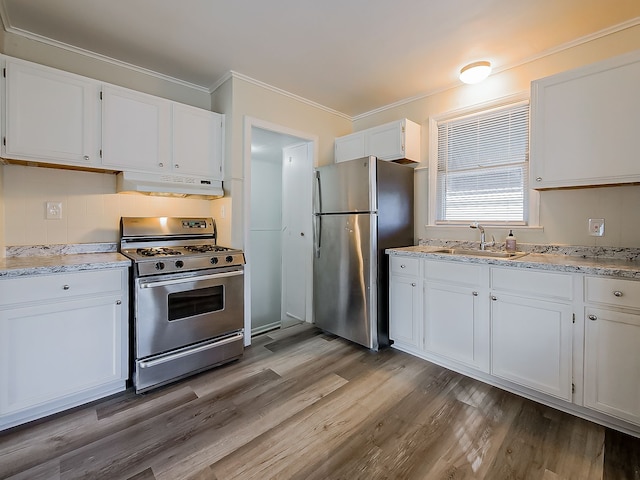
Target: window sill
column 526, row 228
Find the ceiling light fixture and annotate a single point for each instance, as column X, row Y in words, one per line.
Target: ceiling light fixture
column 475, row 72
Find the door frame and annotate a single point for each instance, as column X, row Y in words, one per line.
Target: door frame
column 249, row 123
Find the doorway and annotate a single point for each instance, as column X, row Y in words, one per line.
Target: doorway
column 278, row 237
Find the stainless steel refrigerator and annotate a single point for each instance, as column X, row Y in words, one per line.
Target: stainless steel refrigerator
column 361, row 208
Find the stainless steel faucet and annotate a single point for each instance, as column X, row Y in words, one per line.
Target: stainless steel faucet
column 483, row 239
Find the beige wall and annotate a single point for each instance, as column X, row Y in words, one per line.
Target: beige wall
column 563, row 213
column 94, row 208
column 2, row 223
column 91, row 208
column 251, row 100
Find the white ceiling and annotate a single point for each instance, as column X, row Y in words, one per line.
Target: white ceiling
column 352, row 56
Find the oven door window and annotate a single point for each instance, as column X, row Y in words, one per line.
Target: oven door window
column 196, row 302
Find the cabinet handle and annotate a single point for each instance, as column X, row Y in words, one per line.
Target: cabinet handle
column 617, row 293
column 402, row 266
column 161, row 164
column 413, row 284
column 177, row 166
column 86, row 157
column 475, row 294
column 538, row 179
column 494, row 298
column 592, row 317
column 118, row 302
column 66, row 287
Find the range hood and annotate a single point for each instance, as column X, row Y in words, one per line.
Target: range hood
column 162, row 184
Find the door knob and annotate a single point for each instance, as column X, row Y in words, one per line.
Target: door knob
column 302, row 234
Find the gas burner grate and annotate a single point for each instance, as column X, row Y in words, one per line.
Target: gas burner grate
column 158, row 252
column 205, row 248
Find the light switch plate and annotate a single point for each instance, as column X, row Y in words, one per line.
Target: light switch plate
column 54, row 210
column 596, row 227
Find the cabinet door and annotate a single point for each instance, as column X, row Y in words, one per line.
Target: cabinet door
column 49, row 353
column 136, row 131
column 386, row 141
column 197, row 141
column 612, row 363
column 584, row 125
column 405, row 313
column 51, row 116
column 455, row 324
column 350, row 147
column 531, row 343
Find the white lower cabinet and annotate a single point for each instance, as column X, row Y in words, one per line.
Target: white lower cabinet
column 455, row 313
column 612, row 363
column 61, row 348
column 531, row 343
column 612, row 347
column 532, row 329
column 517, row 328
column 405, row 301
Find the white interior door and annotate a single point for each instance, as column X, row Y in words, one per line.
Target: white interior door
column 297, row 172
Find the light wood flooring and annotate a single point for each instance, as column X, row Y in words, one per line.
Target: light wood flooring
column 305, row 405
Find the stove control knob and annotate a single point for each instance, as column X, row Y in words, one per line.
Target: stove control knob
column 179, row 264
column 159, row 266
column 229, row 259
column 214, row 260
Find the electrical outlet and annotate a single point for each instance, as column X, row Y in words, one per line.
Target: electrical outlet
column 54, row 210
column 596, row 227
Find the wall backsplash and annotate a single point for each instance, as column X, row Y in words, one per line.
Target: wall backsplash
column 91, row 208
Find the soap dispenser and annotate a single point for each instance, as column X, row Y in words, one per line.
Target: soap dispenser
column 510, row 243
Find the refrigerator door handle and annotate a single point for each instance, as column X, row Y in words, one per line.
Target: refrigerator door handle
column 317, row 233
column 317, row 224
column 318, row 193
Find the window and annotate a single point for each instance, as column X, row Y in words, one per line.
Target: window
column 482, row 168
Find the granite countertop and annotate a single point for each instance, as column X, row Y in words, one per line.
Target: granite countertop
column 42, row 260
column 592, row 265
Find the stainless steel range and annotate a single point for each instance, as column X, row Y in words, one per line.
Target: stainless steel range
column 187, row 298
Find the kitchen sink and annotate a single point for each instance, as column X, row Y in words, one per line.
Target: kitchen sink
column 481, row 253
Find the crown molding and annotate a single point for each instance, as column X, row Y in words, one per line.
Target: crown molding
column 545, row 53
column 6, row 23
column 266, row 86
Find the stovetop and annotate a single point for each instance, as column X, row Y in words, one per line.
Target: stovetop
column 146, row 252
column 160, row 245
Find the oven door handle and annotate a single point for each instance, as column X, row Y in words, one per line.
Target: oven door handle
column 185, row 353
column 162, row 283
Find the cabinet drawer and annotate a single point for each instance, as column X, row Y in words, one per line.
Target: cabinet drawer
column 405, row 265
column 454, row 272
column 533, row 282
column 59, row 286
column 612, row 291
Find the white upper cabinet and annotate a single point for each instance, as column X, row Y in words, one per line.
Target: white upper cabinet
column 144, row 133
column 197, row 141
column 399, row 140
column 350, row 147
column 584, row 125
column 58, row 118
column 136, row 131
column 51, row 116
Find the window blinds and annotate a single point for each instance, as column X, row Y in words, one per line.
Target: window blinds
column 483, row 169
